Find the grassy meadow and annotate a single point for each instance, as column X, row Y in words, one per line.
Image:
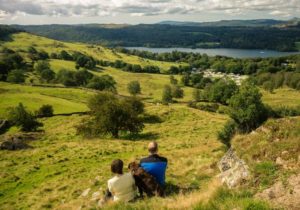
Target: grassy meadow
column 61, row 164
column 21, row 41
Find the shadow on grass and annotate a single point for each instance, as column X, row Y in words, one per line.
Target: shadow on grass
column 141, row 136
column 151, row 119
column 173, row 189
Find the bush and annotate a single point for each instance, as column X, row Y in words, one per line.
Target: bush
column 209, row 107
column 20, row 117
column 177, row 92
column 226, row 134
column 45, row 111
column 16, row 76
column 196, row 95
column 111, row 115
column 167, row 95
column 40, row 66
column 104, row 82
column 221, row 91
column 47, row 75
column 247, row 109
column 285, row 111
column 134, row 88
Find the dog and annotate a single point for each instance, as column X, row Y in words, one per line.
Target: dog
column 145, row 181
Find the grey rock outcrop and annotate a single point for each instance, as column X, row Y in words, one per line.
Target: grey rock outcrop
column 17, row 141
column 233, row 169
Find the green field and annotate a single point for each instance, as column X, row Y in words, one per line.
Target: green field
column 62, row 164
column 63, row 100
column 21, row 41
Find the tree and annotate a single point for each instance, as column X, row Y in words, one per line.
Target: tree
column 104, row 82
column 47, row 75
column 134, row 88
column 20, row 117
column 269, row 86
column 221, row 90
column 64, row 55
column 45, row 111
column 177, row 92
column 173, row 80
column 16, row 76
column 227, row 133
column 196, row 94
column 167, row 95
column 185, row 79
column 41, row 65
column 247, row 109
column 65, row 77
column 82, row 77
column 111, row 115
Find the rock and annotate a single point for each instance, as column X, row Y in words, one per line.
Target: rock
column 85, row 192
column 14, row 144
column 233, row 169
column 279, row 161
column 283, row 195
column 96, row 196
column 18, row 141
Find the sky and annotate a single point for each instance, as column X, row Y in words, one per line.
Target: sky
column 142, row 11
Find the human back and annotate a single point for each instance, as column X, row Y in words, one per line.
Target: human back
column 122, row 187
column 154, row 164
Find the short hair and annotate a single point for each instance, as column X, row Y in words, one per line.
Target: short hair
column 152, row 147
column 117, row 166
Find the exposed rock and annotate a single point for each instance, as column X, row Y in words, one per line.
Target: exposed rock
column 279, row 161
column 17, row 141
column 233, row 169
column 96, row 196
column 85, row 192
column 283, row 195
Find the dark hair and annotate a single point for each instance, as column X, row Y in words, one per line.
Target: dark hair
column 117, row 166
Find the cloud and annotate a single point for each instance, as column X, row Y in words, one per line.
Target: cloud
column 94, row 8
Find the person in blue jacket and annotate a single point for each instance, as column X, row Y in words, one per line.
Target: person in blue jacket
column 155, row 164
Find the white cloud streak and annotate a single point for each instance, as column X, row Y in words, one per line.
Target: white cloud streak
column 95, row 8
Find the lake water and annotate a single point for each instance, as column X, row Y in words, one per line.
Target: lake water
column 235, row 53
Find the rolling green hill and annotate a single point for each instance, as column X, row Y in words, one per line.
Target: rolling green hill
column 61, row 164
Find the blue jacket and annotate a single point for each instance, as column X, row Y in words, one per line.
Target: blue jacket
column 156, row 166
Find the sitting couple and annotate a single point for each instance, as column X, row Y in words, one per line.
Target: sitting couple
column 148, row 177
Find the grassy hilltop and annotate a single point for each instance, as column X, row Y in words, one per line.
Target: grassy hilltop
column 62, row 164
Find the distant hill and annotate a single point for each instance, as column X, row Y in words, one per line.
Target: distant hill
column 223, row 34
column 228, row 23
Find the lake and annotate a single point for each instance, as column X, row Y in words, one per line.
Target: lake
column 235, row 53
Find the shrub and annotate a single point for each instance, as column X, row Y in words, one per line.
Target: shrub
column 111, row 115
column 226, row 134
column 285, row 111
column 209, row 107
column 16, row 76
column 196, row 95
column 47, row 75
column 177, row 92
column 173, row 80
column 221, row 91
column 45, row 111
column 167, row 95
column 134, row 88
column 40, row 66
column 247, row 109
column 20, row 117
column 104, row 82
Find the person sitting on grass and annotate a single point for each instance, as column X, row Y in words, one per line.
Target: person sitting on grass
column 155, row 164
column 122, row 186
